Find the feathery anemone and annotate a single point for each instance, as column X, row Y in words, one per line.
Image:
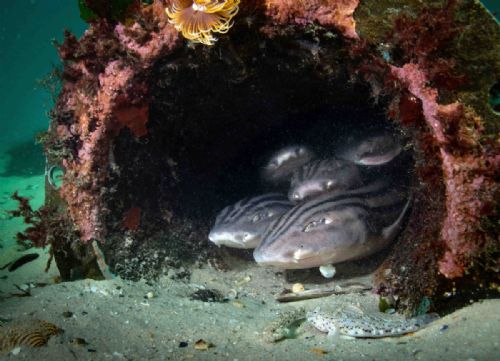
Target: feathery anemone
column 198, row 19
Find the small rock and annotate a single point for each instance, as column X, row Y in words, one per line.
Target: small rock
column 318, row 351
column 328, row 271
column 202, row 345
column 239, row 304
column 297, row 287
column 78, row 341
column 67, row 314
column 207, row 295
column 242, row 281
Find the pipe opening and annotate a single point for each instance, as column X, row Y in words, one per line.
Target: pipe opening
column 214, row 122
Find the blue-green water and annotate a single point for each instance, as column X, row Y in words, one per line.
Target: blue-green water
column 493, row 6
column 27, row 56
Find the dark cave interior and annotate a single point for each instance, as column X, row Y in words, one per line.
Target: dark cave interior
column 211, row 128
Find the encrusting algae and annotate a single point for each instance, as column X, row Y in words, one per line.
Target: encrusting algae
column 198, row 19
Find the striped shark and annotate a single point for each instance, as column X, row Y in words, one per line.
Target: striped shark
column 284, row 162
column 375, row 150
column 319, row 176
column 333, row 228
column 243, row 224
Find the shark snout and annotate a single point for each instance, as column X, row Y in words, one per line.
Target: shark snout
column 233, row 239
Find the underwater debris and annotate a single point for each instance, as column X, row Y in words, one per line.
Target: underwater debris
column 54, row 175
column 198, row 19
column 287, row 296
column 21, row 261
column 24, row 291
column 28, row 332
column 101, row 262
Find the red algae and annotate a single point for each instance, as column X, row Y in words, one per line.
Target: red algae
column 331, row 13
column 132, row 219
column 468, row 182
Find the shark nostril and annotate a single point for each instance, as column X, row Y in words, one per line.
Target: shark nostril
column 241, row 237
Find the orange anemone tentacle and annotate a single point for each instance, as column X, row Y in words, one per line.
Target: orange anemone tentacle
column 198, row 19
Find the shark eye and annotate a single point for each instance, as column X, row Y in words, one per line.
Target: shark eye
column 309, row 226
column 273, row 165
column 255, row 218
column 329, row 185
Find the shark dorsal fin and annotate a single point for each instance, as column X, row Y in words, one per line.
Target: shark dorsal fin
column 389, row 232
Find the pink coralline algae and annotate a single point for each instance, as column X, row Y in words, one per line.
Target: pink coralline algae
column 104, row 97
column 81, row 188
column 334, row 13
column 149, row 44
column 468, row 171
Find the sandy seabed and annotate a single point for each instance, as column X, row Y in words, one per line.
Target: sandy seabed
column 123, row 320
